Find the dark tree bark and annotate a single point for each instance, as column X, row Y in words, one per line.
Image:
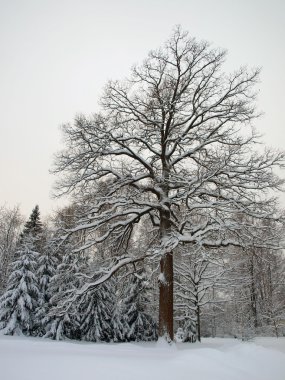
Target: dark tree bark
column 166, row 297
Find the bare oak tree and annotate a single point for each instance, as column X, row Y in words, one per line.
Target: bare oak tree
column 172, row 142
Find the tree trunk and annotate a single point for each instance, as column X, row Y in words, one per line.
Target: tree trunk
column 253, row 293
column 166, row 266
column 166, row 297
column 198, row 324
column 214, row 314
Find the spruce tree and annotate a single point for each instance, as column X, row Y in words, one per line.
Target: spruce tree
column 46, row 269
column 139, row 325
column 62, row 320
column 34, row 228
column 34, row 224
column 95, row 308
column 189, row 330
column 20, row 301
column 47, row 264
column 119, row 325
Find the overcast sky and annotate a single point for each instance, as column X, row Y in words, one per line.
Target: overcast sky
column 56, row 55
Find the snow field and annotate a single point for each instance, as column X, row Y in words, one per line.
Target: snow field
column 214, row 359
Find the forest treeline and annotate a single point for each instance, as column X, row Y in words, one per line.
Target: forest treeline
column 225, row 292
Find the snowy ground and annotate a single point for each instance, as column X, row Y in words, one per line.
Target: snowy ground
column 213, row 359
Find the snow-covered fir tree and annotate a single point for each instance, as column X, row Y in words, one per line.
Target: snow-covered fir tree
column 95, row 309
column 62, row 320
column 189, row 330
column 34, row 227
column 20, row 301
column 46, row 269
column 139, row 325
column 47, row 264
column 118, row 322
column 34, row 224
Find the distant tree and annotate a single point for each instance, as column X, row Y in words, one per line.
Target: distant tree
column 34, row 224
column 20, row 301
column 34, row 228
column 260, row 294
column 274, row 314
column 197, row 273
column 248, row 300
column 10, row 224
column 167, row 137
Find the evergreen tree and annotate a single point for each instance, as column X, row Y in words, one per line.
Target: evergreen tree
column 189, row 330
column 139, row 325
column 118, row 323
column 34, row 224
column 62, row 321
column 95, row 308
column 18, row 304
column 34, row 228
column 47, row 264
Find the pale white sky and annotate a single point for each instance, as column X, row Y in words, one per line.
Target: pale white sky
column 56, row 55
